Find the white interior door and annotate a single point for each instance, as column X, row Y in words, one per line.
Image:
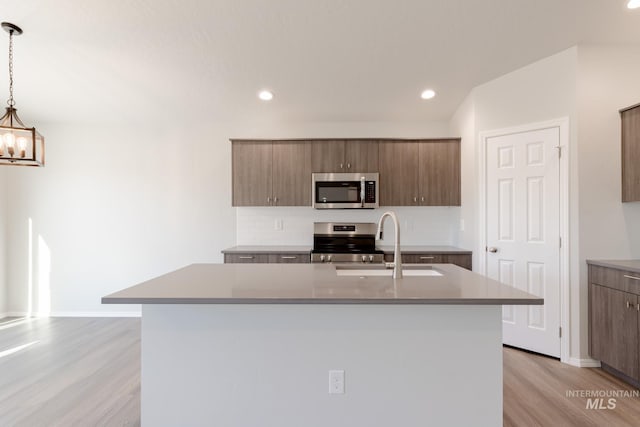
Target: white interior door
column 523, row 233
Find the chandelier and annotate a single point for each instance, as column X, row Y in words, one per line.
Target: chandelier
column 19, row 145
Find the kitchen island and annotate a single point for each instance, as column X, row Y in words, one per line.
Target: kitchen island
column 252, row 345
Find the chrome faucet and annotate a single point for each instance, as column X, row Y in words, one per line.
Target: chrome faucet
column 397, row 257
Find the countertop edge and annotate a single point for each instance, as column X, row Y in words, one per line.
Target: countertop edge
column 341, row 301
column 616, row 264
column 301, row 249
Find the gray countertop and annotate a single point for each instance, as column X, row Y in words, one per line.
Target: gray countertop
column 284, row 249
column 316, row 284
column 627, row 265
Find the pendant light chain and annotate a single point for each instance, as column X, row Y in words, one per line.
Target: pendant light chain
column 10, row 101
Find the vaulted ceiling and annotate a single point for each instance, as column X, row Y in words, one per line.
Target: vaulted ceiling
column 148, row 61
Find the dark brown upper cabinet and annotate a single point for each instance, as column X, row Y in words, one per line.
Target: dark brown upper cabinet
column 420, row 172
column 271, row 173
column 630, row 153
column 351, row 155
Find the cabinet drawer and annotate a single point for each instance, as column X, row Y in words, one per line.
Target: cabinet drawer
column 289, row 258
column 246, row 258
column 625, row 281
column 417, row 258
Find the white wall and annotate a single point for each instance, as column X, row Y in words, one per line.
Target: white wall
column 3, row 240
column 118, row 204
column 542, row 91
column 609, row 229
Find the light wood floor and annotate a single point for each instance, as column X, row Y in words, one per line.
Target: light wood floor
column 86, row 372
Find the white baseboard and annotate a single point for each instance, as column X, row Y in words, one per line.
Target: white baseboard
column 584, row 363
column 78, row 314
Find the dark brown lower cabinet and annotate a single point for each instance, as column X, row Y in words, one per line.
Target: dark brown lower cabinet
column 462, row 260
column 614, row 321
column 267, row 258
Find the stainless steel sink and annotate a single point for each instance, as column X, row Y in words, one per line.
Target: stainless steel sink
column 383, row 270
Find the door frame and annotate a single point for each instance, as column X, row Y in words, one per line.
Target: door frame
column 563, row 126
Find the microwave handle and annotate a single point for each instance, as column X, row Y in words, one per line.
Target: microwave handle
column 362, row 184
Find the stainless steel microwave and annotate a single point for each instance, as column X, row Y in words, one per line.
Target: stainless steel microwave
column 345, row 190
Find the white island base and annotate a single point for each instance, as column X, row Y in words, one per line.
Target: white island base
column 263, row 365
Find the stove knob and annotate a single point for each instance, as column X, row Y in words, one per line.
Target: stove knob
column 321, row 258
column 364, row 258
column 328, row 258
column 370, row 258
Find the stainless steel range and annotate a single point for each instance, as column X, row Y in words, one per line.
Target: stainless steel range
column 345, row 242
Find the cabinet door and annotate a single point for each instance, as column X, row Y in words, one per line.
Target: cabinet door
column 631, row 155
column 328, row 156
column 251, row 173
column 398, row 173
column 613, row 329
column 461, row 260
column 246, row 258
column 291, row 173
column 440, row 173
column 289, row 258
column 361, row 156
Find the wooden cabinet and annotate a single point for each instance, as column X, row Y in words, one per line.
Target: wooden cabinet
column 267, row 258
column 420, row 173
column 271, row 173
column 614, row 320
column 344, row 156
column 630, row 118
column 461, row 260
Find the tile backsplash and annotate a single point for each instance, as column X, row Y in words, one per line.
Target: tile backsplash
column 294, row 225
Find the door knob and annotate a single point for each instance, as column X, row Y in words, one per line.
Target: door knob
column 493, row 249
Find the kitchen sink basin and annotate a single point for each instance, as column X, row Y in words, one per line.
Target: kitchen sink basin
column 381, row 270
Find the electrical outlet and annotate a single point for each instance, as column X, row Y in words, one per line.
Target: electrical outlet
column 336, row 382
column 277, row 225
column 462, row 225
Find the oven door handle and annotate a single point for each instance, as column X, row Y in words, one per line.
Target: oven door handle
column 362, row 191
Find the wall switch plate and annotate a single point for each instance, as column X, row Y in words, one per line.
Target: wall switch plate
column 336, row 382
column 277, row 225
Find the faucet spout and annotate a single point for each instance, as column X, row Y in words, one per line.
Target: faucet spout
column 397, row 257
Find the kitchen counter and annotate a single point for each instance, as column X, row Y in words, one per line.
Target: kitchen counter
column 627, row 265
column 256, row 344
column 425, row 249
column 315, row 284
column 388, row 249
column 283, row 249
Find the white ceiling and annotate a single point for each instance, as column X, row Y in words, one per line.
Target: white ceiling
column 325, row 60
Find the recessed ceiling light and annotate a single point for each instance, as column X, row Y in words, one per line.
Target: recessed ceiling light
column 265, row 95
column 633, row 4
column 428, row 94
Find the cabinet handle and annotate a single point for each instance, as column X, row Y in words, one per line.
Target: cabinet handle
column 348, row 165
column 422, row 199
column 628, row 304
column 269, row 200
column 275, row 200
column 415, row 200
column 341, row 166
column 288, row 257
column 427, row 257
column 245, row 257
column 638, row 306
column 632, row 277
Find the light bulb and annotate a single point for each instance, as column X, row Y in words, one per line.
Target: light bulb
column 633, row 4
column 10, row 140
column 428, row 94
column 265, row 95
column 22, row 146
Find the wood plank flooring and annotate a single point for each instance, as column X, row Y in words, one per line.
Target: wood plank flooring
column 86, row 372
